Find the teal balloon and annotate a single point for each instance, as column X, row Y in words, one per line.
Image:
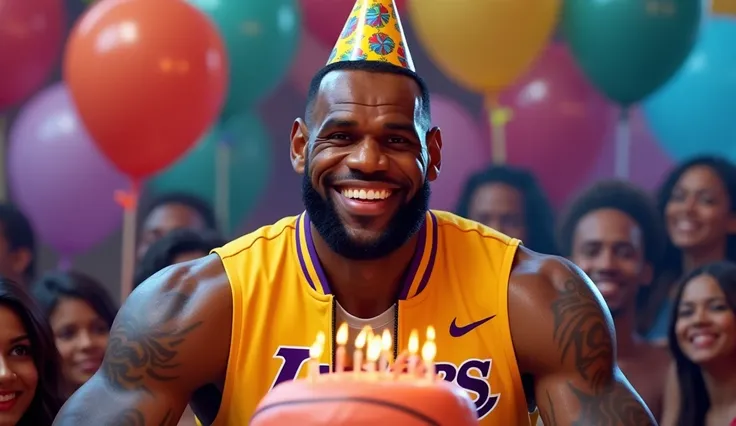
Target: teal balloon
column 249, row 166
column 261, row 37
column 629, row 48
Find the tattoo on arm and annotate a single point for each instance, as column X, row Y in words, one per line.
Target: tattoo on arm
column 127, row 417
column 143, row 348
column 549, row 418
column 583, row 337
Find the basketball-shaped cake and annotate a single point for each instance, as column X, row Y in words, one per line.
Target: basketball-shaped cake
column 404, row 392
column 342, row 399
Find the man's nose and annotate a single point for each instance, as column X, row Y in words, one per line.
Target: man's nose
column 368, row 157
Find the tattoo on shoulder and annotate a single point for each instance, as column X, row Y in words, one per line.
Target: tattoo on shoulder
column 144, row 344
column 127, row 417
column 584, row 337
column 549, row 418
column 581, row 332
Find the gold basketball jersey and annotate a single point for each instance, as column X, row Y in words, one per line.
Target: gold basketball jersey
column 457, row 281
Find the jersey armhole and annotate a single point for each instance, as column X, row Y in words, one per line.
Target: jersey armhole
column 503, row 306
column 236, row 292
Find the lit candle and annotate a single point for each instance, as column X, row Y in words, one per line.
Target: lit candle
column 358, row 353
column 315, row 353
column 372, row 355
column 431, row 335
column 341, row 338
column 429, row 351
column 386, row 351
column 413, row 350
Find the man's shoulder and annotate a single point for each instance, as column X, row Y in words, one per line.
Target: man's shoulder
column 277, row 233
column 460, row 228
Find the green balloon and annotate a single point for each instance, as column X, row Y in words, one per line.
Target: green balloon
column 261, row 37
column 629, row 48
column 249, row 166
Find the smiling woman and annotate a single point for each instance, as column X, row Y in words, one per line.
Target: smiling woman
column 29, row 369
column 703, row 343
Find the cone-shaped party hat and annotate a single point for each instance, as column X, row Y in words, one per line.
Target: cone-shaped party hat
column 373, row 32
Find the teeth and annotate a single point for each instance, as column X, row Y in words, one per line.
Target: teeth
column 7, row 397
column 685, row 225
column 363, row 194
column 703, row 339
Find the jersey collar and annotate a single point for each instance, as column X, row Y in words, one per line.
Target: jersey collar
column 416, row 276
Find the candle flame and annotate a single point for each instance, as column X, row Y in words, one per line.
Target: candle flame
column 361, row 339
column 321, row 339
column 414, row 342
column 374, row 349
column 386, row 341
column 431, row 334
column 342, row 334
column 429, row 351
column 315, row 352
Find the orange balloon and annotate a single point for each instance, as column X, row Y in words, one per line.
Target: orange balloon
column 148, row 77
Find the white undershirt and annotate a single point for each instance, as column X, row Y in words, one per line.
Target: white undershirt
column 384, row 321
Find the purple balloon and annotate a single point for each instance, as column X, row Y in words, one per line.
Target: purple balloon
column 59, row 178
column 464, row 151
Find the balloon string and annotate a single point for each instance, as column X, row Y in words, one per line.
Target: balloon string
column 64, row 264
column 222, row 185
column 3, row 145
column 623, row 145
column 498, row 117
column 128, row 200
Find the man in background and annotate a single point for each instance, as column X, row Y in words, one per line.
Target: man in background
column 17, row 245
column 509, row 200
column 612, row 232
column 173, row 211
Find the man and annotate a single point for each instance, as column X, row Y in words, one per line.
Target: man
column 173, row 211
column 17, row 245
column 509, row 200
column 244, row 318
column 613, row 234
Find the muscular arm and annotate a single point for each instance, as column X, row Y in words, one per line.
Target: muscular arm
column 171, row 337
column 564, row 337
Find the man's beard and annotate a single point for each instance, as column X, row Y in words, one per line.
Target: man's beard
column 402, row 226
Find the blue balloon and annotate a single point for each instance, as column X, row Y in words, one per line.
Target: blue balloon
column 693, row 114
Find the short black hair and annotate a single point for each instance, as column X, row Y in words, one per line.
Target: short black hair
column 621, row 196
column 163, row 252
column 368, row 66
column 19, row 234
column 537, row 208
column 203, row 209
column 54, row 286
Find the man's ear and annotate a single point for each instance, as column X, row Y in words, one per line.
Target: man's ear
column 299, row 142
column 434, row 149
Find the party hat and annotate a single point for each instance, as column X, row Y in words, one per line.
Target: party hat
column 373, row 32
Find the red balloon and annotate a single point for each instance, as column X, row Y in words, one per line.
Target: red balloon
column 148, row 78
column 31, row 34
column 558, row 125
column 324, row 19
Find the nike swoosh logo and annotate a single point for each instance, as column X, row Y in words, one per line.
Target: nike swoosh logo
column 456, row 331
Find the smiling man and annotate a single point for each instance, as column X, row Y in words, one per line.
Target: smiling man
column 366, row 251
column 612, row 232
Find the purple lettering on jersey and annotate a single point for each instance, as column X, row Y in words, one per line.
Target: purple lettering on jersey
column 477, row 383
column 292, row 360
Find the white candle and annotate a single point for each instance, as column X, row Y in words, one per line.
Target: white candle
column 372, row 355
column 386, row 351
column 429, row 351
column 341, row 338
column 360, row 342
column 413, row 350
column 315, row 353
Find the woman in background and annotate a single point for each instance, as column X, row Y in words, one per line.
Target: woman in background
column 81, row 313
column 29, row 362
column 703, row 343
column 698, row 206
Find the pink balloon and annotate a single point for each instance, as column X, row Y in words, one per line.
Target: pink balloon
column 648, row 163
column 558, row 125
column 59, row 178
column 311, row 56
column 464, row 151
column 325, row 18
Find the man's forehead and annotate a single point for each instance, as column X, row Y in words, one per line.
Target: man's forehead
column 369, row 88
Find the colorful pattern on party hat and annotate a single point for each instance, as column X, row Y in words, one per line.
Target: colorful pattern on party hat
column 373, row 32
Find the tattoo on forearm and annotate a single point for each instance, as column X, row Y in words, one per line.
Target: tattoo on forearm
column 584, row 338
column 582, row 333
column 142, row 347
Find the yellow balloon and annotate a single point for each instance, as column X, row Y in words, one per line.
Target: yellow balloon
column 484, row 45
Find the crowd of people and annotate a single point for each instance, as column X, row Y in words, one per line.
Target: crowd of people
column 662, row 264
